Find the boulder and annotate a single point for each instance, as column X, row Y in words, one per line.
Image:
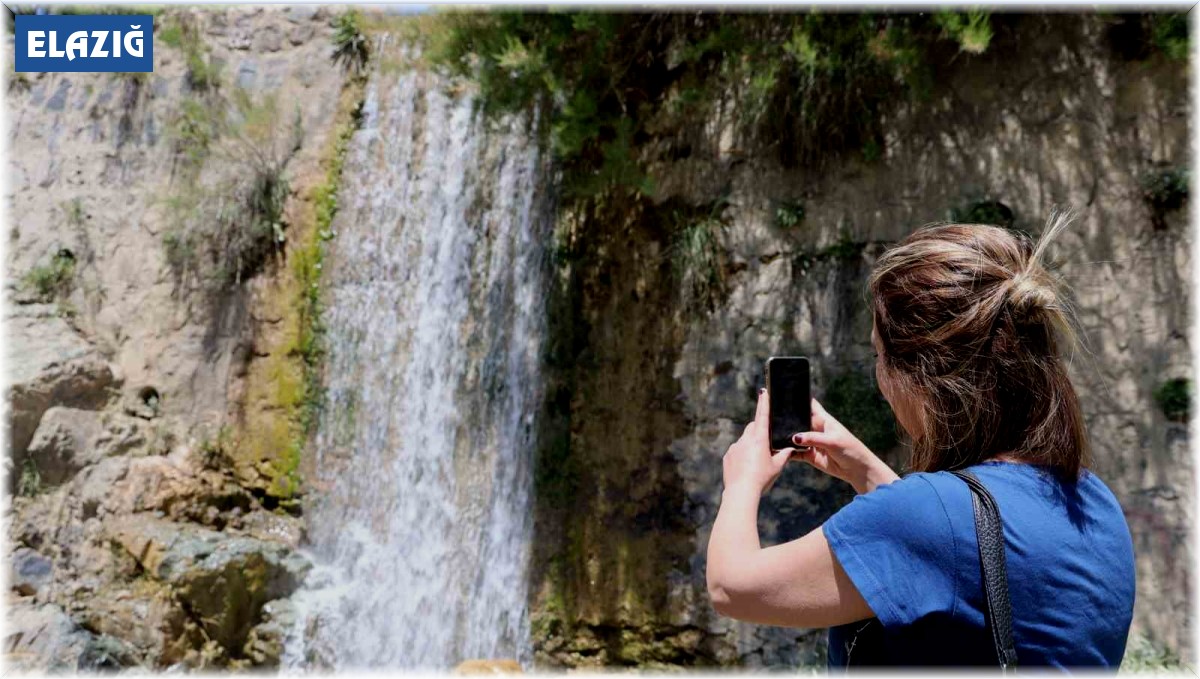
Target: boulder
column 144, row 615
column 223, row 580
column 264, row 647
column 64, row 443
column 49, row 364
column 44, row 639
column 30, row 572
column 265, row 525
column 173, row 486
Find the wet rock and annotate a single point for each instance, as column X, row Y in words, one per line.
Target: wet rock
column 42, row 638
column 223, row 580
column 264, row 647
column 30, row 571
column 144, row 615
column 265, row 525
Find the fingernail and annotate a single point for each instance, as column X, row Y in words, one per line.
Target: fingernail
column 762, row 390
column 797, row 438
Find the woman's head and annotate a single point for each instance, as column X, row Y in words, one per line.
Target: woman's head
column 968, row 324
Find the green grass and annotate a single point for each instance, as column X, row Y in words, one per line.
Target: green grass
column 179, row 31
column 696, row 258
column 53, row 279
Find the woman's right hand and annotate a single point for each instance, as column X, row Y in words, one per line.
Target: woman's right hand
column 837, row 452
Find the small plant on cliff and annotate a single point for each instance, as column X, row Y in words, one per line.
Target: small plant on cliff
column 30, row 483
column 180, row 32
column 619, row 89
column 1165, row 190
column 860, row 406
column 226, row 228
column 789, row 214
column 1174, row 398
column 1169, row 33
column 350, row 46
column 53, row 279
column 972, row 29
column 696, row 259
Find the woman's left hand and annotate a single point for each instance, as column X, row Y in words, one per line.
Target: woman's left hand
column 749, row 462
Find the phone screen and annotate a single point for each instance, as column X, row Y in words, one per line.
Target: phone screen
column 791, row 405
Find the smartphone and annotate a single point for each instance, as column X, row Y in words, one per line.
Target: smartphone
column 791, row 402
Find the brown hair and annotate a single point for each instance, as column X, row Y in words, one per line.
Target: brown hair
column 970, row 321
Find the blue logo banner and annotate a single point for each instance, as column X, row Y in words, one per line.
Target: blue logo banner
column 83, row 43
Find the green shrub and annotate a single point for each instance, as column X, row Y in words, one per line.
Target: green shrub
column 1174, row 399
column 350, row 47
column 53, row 279
column 854, row 399
column 805, row 86
column 1169, row 34
column 972, row 29
column 844, row 249
column 179, row 31
column 789, row 214
column 225, row 229
column 193, row 130
column 696, row 259
column 1166, row 189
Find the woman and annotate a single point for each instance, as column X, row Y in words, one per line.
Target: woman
column 967, row 326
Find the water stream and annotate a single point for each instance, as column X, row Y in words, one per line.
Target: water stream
column 420, row 515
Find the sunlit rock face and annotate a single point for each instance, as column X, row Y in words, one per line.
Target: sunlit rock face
column 420, row 518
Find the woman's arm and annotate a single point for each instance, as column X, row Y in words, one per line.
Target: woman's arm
column 796, row 584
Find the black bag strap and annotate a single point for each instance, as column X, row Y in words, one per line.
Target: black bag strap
column 990, row 534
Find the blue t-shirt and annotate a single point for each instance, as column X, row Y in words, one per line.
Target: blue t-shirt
column 911, row 550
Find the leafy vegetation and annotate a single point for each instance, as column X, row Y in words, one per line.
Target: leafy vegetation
column 350, row 47
column 806, row 87
column 1174, row 398
column 859, row 405
column 1143, row 655
column 696, row 259
column 30, row 483
column 179, row 31
column 789, row 214
column 225, row 229
column 1169, row 33
column 53, row 279
column 1165, row 190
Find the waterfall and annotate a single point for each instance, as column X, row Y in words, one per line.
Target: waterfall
column 420, row 507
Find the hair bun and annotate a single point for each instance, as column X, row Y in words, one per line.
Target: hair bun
column 1028, row 296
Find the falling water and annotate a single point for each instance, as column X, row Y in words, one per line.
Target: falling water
column 420, row 519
